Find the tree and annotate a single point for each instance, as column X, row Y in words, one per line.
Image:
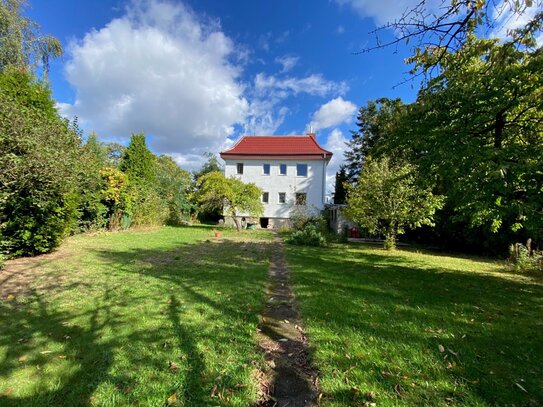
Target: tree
column 92, row 212
column 477, row 129
column 441, row 28
column 38, row 154
column 21, row 43
column 374, row 121
column 174, row 186
column 138, row 162
column 211, row 164
column 340, row 193
column 388, row 200
column 229, row 194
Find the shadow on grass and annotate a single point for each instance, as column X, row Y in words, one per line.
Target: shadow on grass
column 220, row 281
column 397, row 313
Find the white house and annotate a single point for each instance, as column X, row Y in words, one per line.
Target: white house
column 290, row 170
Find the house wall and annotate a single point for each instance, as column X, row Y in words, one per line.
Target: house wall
column 313, row 185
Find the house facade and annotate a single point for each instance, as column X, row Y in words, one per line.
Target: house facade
column 290, row 170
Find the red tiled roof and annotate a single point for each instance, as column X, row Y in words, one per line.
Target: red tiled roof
column 277, row 147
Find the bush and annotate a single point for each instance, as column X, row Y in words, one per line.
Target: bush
column 523, row 261
column 309, row 235
column 38, row 152
column 2, row 260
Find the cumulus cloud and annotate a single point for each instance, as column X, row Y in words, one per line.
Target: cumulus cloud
column 336, row 144
column 333, row 113
column 158, row 69
column 269, row 92
column 384, row 11
column 314, row 84
column 287, row 61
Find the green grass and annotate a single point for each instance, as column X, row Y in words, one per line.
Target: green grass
column 406, row 329
column 137, row 318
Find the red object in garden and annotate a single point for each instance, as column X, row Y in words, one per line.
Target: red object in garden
column 355, row 233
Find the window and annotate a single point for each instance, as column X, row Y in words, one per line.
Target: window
column 301, row 170
column 265, row 197
column 266, row 169
column 282, row 169
column 282, row 197
column 239, row 168
column 301, row 198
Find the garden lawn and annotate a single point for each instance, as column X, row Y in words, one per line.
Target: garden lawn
column 151, row 318
column 404, row 328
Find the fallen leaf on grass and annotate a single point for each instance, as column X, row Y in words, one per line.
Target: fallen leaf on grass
column 46, row 352
column 398, row 390
column 173, row 367
column 22, row 358
column 173, row 400
column 441, row 348
column 521, row 388
column 283, row 340
column 213, row 391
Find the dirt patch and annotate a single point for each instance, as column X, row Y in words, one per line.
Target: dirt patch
column 20, row 276
column 289, row 379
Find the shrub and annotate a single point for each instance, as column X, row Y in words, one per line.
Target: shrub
column 38, row 152
column 523, row 261
column 309, row 235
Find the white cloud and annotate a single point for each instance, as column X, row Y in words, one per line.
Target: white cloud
column 160, row 70
column 508, row 18
column 384, row 11
column 333, row 113
column 269, row 92
column 287, row 61
column 336, row 144
column 313, row 84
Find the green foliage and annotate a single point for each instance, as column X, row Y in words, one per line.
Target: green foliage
column 229, row 194
column 374, row 121
column 387, row 200
column 116, row 195
column 174, row 186
column 523, row 259
column 309, row 228
column 138, row 162
column 21, row 43
column 477, row 130
column 340, row 192
column 38, row 153
column 308, row 235
column 211, row 165
column 92, row 212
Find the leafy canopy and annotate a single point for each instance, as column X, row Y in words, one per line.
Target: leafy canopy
column 387, row 199
column 230, row 194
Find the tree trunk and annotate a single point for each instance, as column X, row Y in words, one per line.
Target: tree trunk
column 236, row 221
column 390, row 240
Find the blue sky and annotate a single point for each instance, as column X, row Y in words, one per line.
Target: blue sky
column 196, row 75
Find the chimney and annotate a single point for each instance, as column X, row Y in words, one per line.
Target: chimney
column 312, row 135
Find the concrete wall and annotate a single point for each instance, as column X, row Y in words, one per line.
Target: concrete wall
column 313, row 185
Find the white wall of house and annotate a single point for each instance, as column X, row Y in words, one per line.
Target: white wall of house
column 313, row 184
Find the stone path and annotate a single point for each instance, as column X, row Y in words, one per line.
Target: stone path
column 289, row 380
